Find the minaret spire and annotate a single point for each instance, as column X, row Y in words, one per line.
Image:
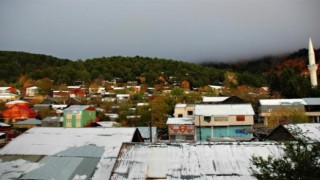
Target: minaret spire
column 312, row 65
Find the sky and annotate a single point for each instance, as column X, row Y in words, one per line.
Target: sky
column 185, row 30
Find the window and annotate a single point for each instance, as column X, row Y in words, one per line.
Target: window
column 221, row 118
column 241, row 118
column 78, row 116
column 190, row 113
column 207, row 118
column 69, row 116
column 180, row 115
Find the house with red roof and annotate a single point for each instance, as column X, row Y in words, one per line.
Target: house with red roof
column 17, row 111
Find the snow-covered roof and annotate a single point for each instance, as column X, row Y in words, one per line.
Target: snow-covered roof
column 32, row 87
column 4, row 88
column 53, row 118
column 190, row 161
column 223, row 109
column 29, row 121
column 74, row 87
column 51, row 141
column 311, row 131
column 180, row 121
column 123, row 95
column 17, row 102
column 213, row 99
column 77, row 108
column 181, row 105
column 215, row 87
column 144, row 131
column 107, row 123
column 278, row 102
column 312, row 101
column 4, row 124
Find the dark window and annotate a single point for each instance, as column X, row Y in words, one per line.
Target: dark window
column 240, row 118
column 180, row 115
column 207, row 118
column 190, row 113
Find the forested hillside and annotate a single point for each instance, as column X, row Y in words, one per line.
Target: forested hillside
column 35, row 66
column 287, row 75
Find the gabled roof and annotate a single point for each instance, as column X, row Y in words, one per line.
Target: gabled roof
column 29, row 121
column 4, row 124
column 77, row 108
column 213, row 99
column 310, row 131
column 52, row 141
column 291, row 132
column 223, row 109
column 53, row 118
column 180, row 121
column 190, row 161
column 144, row 131
column 312, row 101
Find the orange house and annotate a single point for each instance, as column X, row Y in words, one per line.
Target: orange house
column 17, row 111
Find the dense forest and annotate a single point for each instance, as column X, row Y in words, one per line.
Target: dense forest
column 35, row 66
column 285, row 74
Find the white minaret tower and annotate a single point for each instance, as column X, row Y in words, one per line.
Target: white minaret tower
column 312, row 65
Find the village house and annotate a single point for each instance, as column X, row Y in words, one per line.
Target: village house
column 181, row 129
column 312, row 109
column 79, row 116
column 24, row 125
column 122, row 98
column 5, row 133
column 8, row 94
column 16, row 111
column 223, row 120
column 77, row 91
column 32, row 91
column 184, row 111
column 52, row 121
column 310, row 106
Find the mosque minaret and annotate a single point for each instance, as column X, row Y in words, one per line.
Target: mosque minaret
column 312, row 65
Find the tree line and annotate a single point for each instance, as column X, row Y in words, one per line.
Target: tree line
column 287, row 81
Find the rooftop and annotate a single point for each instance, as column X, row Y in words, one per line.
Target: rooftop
column 190, row 161
column 223, row 109
column 50, row 142
column 180, row 121
column 277, row 102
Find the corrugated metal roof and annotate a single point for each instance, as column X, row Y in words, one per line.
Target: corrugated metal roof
column 29, row 121
column 53, row 118
column 144, row 131
column 224, row 109
column 69, row 163
column 4, row 124
column 77, row 108
column 277, row 102
column 311, row 131
column 180, row 121
column 312, row 101
column 51, row 141
column 190, row 161
column 213, row 99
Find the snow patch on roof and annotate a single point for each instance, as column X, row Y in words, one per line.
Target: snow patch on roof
column 223, row 109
